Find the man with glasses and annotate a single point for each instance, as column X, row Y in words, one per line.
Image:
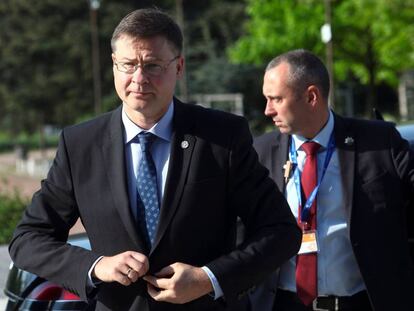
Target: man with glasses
column 158, row 185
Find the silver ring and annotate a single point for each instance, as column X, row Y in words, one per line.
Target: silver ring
column 129, row 270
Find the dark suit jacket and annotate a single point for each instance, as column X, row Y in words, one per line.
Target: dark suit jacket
column 210, row 183
column 377, row 172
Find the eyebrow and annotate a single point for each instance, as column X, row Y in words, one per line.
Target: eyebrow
column 149, row 59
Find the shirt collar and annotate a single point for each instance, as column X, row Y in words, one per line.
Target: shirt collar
column 321, row 138
column 161, row 129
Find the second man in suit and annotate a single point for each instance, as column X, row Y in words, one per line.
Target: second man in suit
column 348, row 183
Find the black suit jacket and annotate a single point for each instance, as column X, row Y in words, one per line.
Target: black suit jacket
column 210, row 183
column 377, row 171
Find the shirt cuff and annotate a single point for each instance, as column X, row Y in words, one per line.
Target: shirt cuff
column 218, row 292
column 92, row 282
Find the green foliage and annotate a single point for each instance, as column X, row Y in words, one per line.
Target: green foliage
column 373, row 40
column 366, row 33
column 210, row 29
column 274, row 27
column 28, row 142
column 11, row 209
column 212, row 26
column 46, row 71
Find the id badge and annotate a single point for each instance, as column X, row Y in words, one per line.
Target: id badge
column 309, row 242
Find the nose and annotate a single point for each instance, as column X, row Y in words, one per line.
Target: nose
column 269, row 109
column 139, row 76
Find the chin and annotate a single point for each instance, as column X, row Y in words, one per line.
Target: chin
column 285, row 130
column 137, row 105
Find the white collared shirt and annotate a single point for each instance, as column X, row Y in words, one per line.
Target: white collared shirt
column 160, row 151
column 338, row 272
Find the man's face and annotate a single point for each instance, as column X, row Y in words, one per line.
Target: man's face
column 287, row 108
column 146, row 96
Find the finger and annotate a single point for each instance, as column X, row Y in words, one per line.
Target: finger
column 138, row 263
column 123, row 268
column 122, row 279
column 162, row 283
column 167, row 271
column 132, row 275
column 136, row 266
column 141, row 258
column 155, row 293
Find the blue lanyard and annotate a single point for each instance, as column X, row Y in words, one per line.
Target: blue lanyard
column 296, row 177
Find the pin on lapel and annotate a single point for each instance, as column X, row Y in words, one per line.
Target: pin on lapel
column 349, row 141
column 185, row 144
column 288, row 169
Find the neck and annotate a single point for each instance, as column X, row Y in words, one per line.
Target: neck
column 144, row 121
column 316, row 124
column 141, row 121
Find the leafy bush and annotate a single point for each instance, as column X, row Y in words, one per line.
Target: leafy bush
column 11, row 209
column 29, row 142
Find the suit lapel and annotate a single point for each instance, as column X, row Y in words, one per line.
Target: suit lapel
column 279, row 156
column 113, row 150
column 345, row 146
column 182, row 146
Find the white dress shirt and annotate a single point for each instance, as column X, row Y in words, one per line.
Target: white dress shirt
column 160, row 152
column 338, row 272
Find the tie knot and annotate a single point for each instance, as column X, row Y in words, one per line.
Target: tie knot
column 145, row 140
column 310, row 147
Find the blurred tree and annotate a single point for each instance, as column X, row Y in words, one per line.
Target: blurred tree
column 212, row 26
column 374, row 42
column 373, row 39
column 46, row 70
column 276, row 26
column 43, row 56
column 46, row 73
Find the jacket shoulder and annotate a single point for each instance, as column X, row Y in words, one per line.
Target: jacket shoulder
column 92, row 129
column 264, row 141
column 213, row 116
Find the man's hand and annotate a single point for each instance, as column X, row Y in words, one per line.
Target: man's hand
column 178, row 283
column 124, row 268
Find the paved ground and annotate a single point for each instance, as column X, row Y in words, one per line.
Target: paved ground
column 10, row 180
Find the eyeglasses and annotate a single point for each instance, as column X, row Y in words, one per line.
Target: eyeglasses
column 151, row 69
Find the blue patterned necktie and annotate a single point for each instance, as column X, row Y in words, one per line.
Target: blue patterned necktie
column 148, row 206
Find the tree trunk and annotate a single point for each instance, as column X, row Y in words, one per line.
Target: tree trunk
column 370, row 63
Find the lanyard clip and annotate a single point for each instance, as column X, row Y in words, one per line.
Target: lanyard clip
column 288, row 167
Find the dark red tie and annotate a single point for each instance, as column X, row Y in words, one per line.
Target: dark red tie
column 306, row 265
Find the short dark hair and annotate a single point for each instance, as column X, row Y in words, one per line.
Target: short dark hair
column 305, row 69
column 148, row 23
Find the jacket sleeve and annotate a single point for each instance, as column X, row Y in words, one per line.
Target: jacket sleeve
column 39, row 241
column 271, row 233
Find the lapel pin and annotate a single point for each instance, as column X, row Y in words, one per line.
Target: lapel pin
column 349, row 141
column 184, row 144
column 288, row 168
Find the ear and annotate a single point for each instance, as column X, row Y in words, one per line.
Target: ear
column 180, row 67
column 113, row 57
column 313, row 95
